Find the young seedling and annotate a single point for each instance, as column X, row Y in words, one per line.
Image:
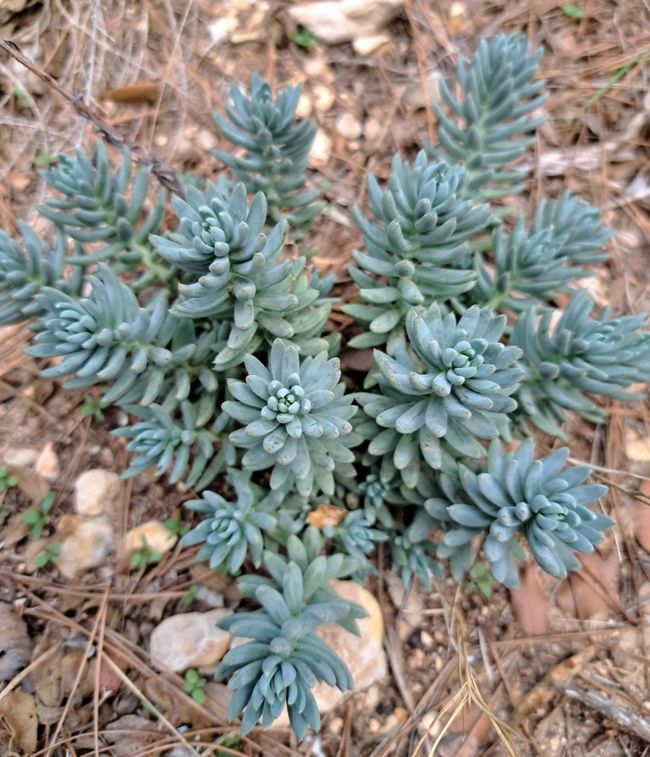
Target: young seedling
column 144, row 556
column 91, row 407
column 37, row 517
column 194, row 685
column 48, row 555
column 7, row 480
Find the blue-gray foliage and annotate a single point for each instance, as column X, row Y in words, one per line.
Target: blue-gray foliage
column 519, row 499
column 218, row 341
column 276, row 148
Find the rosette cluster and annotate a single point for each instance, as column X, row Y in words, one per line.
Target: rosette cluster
column 518, row 499
column 297, row 419
column 450, row 387
column 276, row 148
column 232, row 273
column 579, row 355
column 416, row 251
column 230, row 531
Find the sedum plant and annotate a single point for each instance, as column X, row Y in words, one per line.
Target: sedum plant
column 212, row 335
column 297, row 419
column 276, row 150
column 518, row 496
column 578, row 356
column 491, row 123
column 417, row 253
column 230, row 531
column 452, row 387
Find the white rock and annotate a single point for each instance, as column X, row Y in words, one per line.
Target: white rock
column 348, row 126
column 87, row 547
column 20, row 457
column 335, row 21
column 304, row 107
column 317, row 67
column 222, row 28
column 416, row 96
column 368, row 45
column 96, row 492
column 321, row 150
column 189, row 640
column 364, row 654
column 323, row 97
column 47, row 464
column 373, row 130
column 21, row 462
column 154, row 533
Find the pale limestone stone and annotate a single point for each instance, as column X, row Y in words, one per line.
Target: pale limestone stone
column 189, row 640
column 96, row 491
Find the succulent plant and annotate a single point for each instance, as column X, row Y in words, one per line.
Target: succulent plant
column 276, row 148
column 212, row 336
column 520, row 498
column 230, row 531
column 107, row 336
column 417, row 252
column 375, row 508
column 356, row 537
column 578, row 355
column 26, row 269
column 318, row 569
column 233, row 274
column 179, row 444
column 538, row 264
column 106, row 209
column 486, row 126
column 452, row 387
column 414, row 557
column 297, row 419
column 285, row 658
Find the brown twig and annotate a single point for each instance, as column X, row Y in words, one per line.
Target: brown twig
column 165, row 175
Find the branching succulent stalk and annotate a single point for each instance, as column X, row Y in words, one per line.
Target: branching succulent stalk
column 490, row 125
column 538, row 264
column 277, row 148
column 417, row 253
column 216, row 342
column 233, row 273
column 105, row 208
column 230, row 531
column 534, row 500
column 26, row 269
column 578, row 356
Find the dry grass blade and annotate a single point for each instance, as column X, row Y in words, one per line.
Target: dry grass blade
column 467, row 694
column 100, row 620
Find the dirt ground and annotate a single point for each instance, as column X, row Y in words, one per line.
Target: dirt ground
column 555, row 668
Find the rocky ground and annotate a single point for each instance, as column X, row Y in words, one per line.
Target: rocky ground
column 107, row 646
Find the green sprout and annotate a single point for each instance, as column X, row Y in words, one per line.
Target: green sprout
column 481, row 580
column 49, row 555
column 144, row 556
column 304, row 38
column 37, row 517
column 91, row 407
column 194, row 686
column 189, row 595
column 7, row 479
column 175, row 526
